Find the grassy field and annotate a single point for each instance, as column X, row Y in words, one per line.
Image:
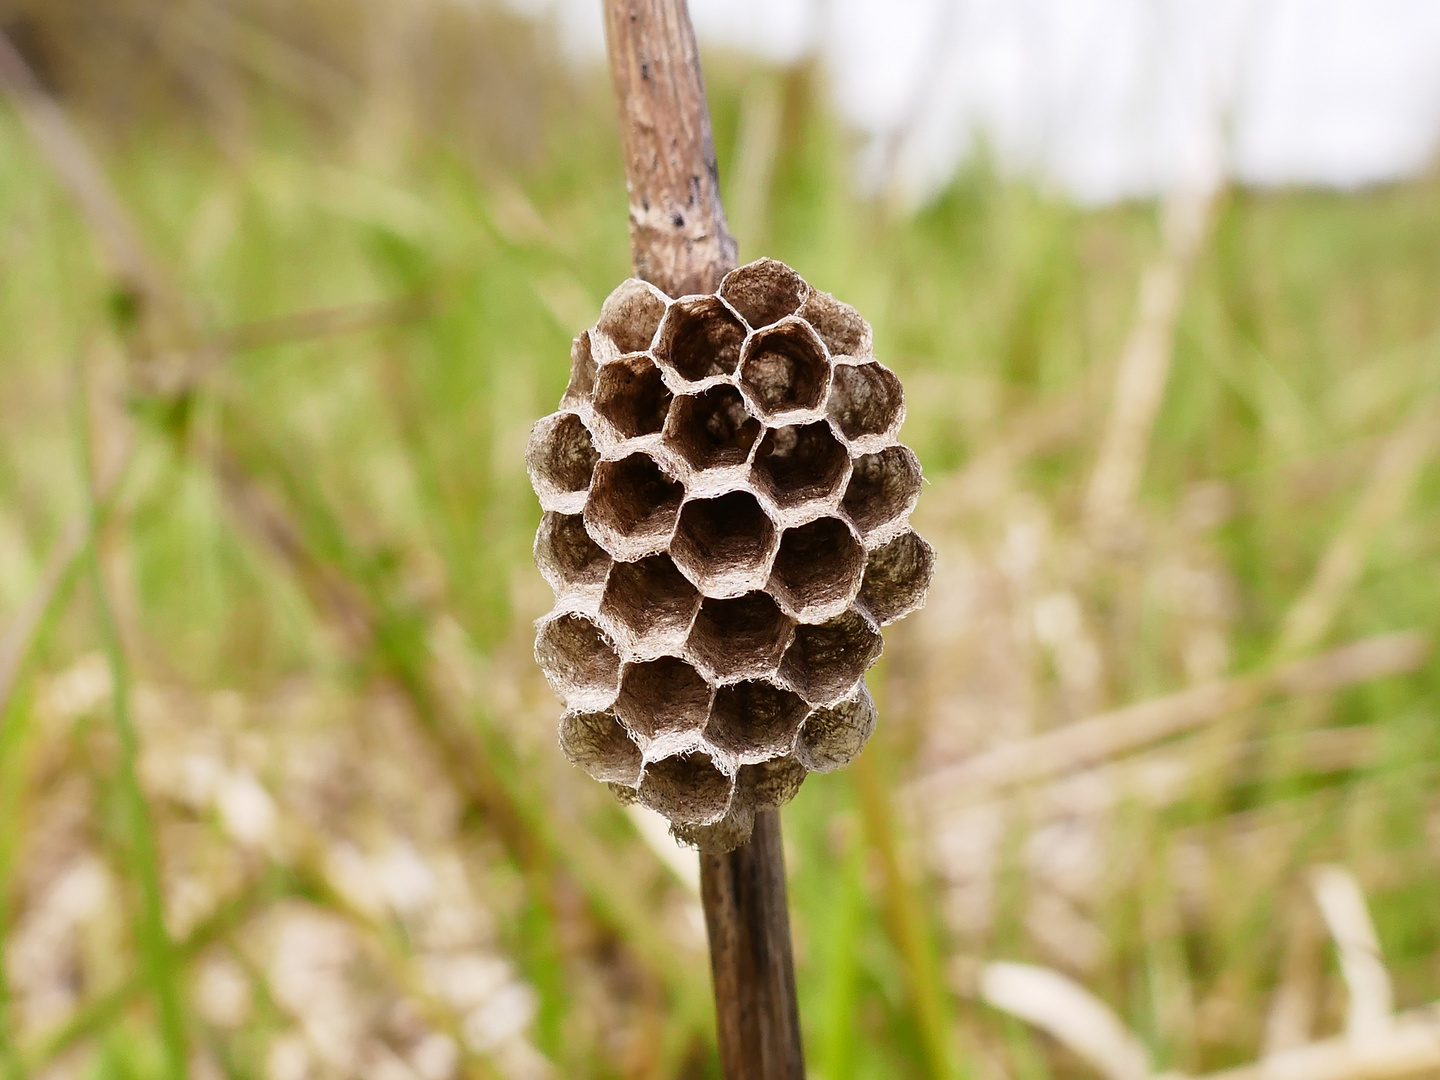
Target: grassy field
column 279, row 791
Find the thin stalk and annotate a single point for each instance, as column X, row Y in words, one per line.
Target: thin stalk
column 156, row 948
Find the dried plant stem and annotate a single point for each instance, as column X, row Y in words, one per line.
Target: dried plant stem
column 680, row 242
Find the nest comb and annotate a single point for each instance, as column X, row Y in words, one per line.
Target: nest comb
column 726, row 528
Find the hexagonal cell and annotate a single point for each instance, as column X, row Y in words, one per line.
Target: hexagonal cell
column 631, row 315
column 663, row 697
column 825, row 662
column 632, row 396
column 764, row 291
column 724, row 545
column 582, row 373
column 839, row 325
column 833, row 737
column 721, row 836
column 561, row 458
column 741, row 638
column 866, row 402
column 784, row 370
column 712, row 430
column 897, row 576
column 632, row 507
column 700, row 338
column 598, row 743
column 579, row 661
column 688, row 786
column 566, row 556
column 769, row 784
column 650, row 603
column 796, row 465
column 817, row 569
column 755, row 720
column 883, row 489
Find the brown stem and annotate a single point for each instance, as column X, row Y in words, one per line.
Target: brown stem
column 679, row 241
column 749, row 925
column 678, row 237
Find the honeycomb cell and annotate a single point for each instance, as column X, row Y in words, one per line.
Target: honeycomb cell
column 764, row 291
column 785, row 372
column 700, row 339
column 597, row 743
column 579, row 661
column 650, row 604
column 754, row 720
column 867, row 403
column 566, row 555
column 741, row 638
column 687, row 785
column 725, row 544
column 712, row 430
column 897, row 576
column 833, row 737
column 817, row 569
column 561, row 460
column 796, row 465
column 769, row 785
column 727, row 834
column 883, row 490
column 825, row 662
column 631, row 315
column 632, row 507
column 665, row 696
column 582, row 373
column 631, row 395
column 839, row 325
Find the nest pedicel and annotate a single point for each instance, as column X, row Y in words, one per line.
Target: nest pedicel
column 726, row 528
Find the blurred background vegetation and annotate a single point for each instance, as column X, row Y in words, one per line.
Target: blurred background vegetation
column 279, row 791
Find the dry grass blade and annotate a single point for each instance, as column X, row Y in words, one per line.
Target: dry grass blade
column 1122, row 731
column 1069, row 1012
column 1145, row 362
column 1387, row 489
column 1347, row 917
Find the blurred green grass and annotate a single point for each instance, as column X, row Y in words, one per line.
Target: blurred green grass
column 395, row 450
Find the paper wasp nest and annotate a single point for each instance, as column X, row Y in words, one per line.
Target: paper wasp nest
column 726, row 529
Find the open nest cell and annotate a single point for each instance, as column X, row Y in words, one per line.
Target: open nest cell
column 650, row 603
column 631, row 395
column 883, row 489
column 833, row 737
column 866, row 402
column 579, row 661
column 700, row 339
column 599, row 744
column 796, row 465
column 725, row 544
column 740, row 638
column 726, row 527
column 688, row 786
column 632, row 507
column 631, row 315
column 817, row 569
column 764, row 291
column 784, row 370
column 755, row 720
column 839, row 325
column 825, row 662
column 561, row 459
column 665, row 696
column 713, row 429
column 897, row 577
column 567, row 556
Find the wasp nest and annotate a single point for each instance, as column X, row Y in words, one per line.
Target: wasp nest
column 726, row 529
